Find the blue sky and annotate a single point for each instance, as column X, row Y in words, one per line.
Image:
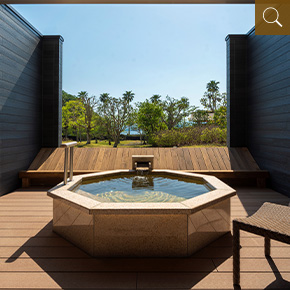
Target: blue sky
column 150, row 49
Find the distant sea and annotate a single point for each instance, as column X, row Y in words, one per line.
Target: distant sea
column 132, row 132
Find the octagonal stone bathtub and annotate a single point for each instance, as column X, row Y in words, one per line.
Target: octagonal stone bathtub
column 141, row 229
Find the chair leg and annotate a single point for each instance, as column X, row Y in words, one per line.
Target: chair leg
column 267, row 246
column 236, row 254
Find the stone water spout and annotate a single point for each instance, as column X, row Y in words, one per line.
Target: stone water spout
column 142, row 163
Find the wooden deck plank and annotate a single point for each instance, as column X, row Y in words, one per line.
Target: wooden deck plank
column 125, row 159
column 157, row 158
column 212, row 158
column 241, row 162
column 233, row 161
column 187, row 158
column 60, row 163
column 225, row 156
column 49, row 163
column 119, row 156
column 175, row 160
column 98, row 164
column 219, row 158
column 199, row 158
column 94, row 152
column 194, row 159
column 37, row 162
column 180, row 157
column 112, row 159
column 162, row 160
column 81, row 162
column 43, row 157
column 206, row 158
column 32, row 256
column 222, row 162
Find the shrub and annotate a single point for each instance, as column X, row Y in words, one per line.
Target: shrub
column 214, row 135
column 176, row 137
column 189, row 136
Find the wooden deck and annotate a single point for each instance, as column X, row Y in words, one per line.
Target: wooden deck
column 32, row 256
column 222, row 162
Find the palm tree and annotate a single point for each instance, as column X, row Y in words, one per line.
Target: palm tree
column 213, row 90
column 129, row 96
column 155, row 98
column 211, row 96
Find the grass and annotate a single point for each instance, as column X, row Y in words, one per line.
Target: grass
column 105, row 144
column 130, row 144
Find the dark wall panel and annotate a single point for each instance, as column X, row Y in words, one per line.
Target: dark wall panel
column 236, row 90
column 30, row 95
column 259, row 106
column 269, row 106
column 20, row 98
column 52, row 89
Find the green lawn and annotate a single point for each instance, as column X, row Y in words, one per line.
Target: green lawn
column 105, row 144
column 129, row 144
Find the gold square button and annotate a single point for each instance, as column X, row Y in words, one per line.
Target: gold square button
column 272, row 17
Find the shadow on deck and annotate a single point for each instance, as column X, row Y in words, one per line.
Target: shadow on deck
column 33, row 256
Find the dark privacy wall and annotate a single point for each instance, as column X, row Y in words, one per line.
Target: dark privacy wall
column 21, row 95
column 269, row 106
column 267, row 99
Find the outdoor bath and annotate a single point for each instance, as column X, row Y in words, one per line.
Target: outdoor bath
column 121, row 213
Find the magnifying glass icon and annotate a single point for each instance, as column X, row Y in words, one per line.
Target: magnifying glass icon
column 276, row 20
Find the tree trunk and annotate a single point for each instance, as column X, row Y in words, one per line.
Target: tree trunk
column 117, row 141
column 109, row 141
column 129, row 130
column 88, row 138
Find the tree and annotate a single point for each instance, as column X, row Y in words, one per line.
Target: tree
column 66, row 97
column 89, row 104
column 115, row 112
column 220, row 115
column 150, row 117
column 129, row 96
column 211, row 97
column 200, row 117
column 132, row 116
column 65, row 121
column 104, row 97
column 72, row 117
column 155, row 99
column 175, row 111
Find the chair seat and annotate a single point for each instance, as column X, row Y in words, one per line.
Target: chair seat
column 273, row 218
column 271, row 221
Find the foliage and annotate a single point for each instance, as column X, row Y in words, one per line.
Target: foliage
column 177, row 137
column 220, row 117
column 189, row 136
column 89, row 104
column 72, row 117
column 155, row 99
column 115, row 113
column 175, row 111
column 66, row 97
column 200, row 117
column 129, row 96
column 149, row 117
column 212, row 97
column 214, row 135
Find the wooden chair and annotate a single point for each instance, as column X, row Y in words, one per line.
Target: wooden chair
column 272, row 221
